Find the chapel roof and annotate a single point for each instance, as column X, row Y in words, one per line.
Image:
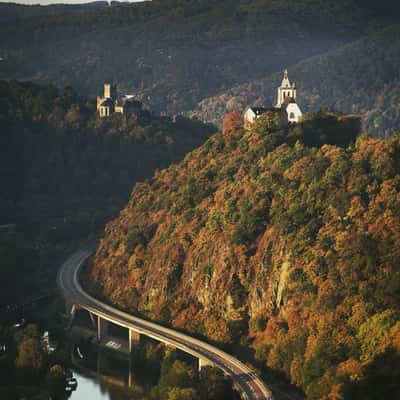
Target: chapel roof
column 288, row 100
column 285, row 80
column 259, row 110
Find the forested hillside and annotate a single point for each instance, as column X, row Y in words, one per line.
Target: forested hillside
column 175, row 53
column 64, row 172
column 282, row 240
column 361, row 77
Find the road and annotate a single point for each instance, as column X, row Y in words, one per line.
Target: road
column 246, row 381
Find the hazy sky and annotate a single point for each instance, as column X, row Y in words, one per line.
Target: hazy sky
column 53, row 1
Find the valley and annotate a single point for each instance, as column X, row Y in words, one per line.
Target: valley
column 234, row 168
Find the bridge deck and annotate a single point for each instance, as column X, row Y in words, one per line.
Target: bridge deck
column 249, row 384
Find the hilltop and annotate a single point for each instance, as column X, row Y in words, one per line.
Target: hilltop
column 174, row 54
column 360, row 77
column 282, row 240
column 12, row 12
column 64, row 172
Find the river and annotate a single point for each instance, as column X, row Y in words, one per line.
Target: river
column 90, row 388
column 104, row 377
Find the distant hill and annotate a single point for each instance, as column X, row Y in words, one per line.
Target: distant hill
column 12, row 12
column 175, row 53
column 276, row 243
column 360, row 77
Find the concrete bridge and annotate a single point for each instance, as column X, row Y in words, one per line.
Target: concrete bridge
column 245, row 380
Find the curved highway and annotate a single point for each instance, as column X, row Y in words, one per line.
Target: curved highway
column 246, row 381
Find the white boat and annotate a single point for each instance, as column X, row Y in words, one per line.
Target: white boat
column 72, row 383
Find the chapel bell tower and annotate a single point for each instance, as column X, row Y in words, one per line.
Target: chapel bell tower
column 285, row 90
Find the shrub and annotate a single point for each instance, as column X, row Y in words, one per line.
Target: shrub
column 138, row 234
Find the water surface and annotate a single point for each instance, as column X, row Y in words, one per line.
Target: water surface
column 103, row 377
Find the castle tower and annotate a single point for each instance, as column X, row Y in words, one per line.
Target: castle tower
column 106, row 104
column 110, row 91
column 285, row 90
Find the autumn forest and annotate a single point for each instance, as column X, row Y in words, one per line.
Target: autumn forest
column 283, row 240
column 275, row 240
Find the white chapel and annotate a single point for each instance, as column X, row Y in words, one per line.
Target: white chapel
column 286, row 105
column 286, row 99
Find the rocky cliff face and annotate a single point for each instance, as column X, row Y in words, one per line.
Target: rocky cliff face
column 174, row 252
column 256, row 236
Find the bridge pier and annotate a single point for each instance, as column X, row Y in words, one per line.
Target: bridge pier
column 130, row 376
column 70, row 309
column 134, row 339
column 203, row 362
column 92, row 319
column 102, row 328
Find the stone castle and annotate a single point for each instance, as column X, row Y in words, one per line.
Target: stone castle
column 285, row 108
column 110, row 103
